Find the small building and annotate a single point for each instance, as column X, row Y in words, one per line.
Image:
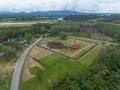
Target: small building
column 25, row 42
column 60, row 19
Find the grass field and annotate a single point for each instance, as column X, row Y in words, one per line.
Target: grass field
column 56, row 66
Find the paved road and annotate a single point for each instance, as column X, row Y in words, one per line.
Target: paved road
column 18, row 68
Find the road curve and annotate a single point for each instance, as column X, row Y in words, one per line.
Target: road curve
column 18, row 67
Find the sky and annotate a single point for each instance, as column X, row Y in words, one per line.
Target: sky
column 95, row 6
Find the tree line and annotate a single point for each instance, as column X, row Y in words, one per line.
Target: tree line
column 26, row 17
column 69, row 27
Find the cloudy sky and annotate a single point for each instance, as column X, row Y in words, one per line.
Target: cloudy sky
column 112, row 6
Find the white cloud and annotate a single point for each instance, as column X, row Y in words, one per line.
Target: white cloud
column 50, row 5
column 109, row 1
column 109, row 8
column 47, row 5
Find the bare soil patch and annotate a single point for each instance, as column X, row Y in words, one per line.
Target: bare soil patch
column 35, row 50
column 29, row 63
column 96, row 34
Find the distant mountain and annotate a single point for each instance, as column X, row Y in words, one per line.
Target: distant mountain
column 64, row 12
column 57, row 12
column 47, row 12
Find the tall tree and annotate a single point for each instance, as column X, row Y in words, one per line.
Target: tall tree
column 28, row 36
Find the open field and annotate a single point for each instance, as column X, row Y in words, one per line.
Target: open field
column 25, row 23
column 38, row 53
column 56, row 66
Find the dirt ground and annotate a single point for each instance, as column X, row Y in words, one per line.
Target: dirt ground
column 29, row 63
column 35, row 50
column 45, row 45
column 96, row 34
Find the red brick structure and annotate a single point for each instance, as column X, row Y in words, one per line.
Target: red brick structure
column 74, row 46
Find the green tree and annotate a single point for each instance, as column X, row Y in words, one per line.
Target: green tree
column 28, row 36
column 63, row 37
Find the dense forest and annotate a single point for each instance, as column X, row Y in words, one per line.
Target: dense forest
column 103, row 74
column 74, row 28
column 65, row 27
column 19, row 31
column 113, row 18
column 112, row 30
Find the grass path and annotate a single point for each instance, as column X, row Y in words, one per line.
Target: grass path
column 80, row 51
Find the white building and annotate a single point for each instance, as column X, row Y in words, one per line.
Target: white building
column 60, row 19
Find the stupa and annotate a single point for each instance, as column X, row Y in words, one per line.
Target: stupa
column 74, row 46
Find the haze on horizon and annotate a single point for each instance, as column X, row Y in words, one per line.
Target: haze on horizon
column 90, row 6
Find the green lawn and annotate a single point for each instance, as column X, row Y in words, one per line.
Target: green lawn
column 91, row 57
column 81, row 34
column 48, row 61
column 84, row 51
